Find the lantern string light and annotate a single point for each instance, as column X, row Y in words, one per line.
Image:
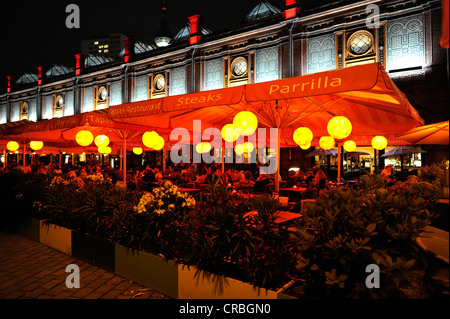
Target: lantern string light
column 84, row 138
column 379, row 142
column 36, row 145
column 12, row 146
column 101, row 140
column 302, row 135
column 339, row 127
column 327, row 142
column 245, row 121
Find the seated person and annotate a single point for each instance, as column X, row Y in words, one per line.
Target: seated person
column 261, row 182
column 290, row 180
column 246, row 181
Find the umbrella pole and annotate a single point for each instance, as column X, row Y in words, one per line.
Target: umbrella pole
column 277, row 174
column 124, row 162
column 223, row 159
column 24, row 150
column 339, row 163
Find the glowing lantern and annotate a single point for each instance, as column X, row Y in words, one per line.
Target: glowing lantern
column 302, row 135
column 84, row 138
column 104, row 149
column 137, row 150
column 203, row 147
column 159, row 143
column 36, row 145
column 246, row 121
column 150, row 139
column 239, row 149
column 339, row 127
column 248, row 147
column 12, row 146
column 101, row 140
column 230, row 133
column 326, row 142
column 349, row 146
column 379, row 142
column 305, row 146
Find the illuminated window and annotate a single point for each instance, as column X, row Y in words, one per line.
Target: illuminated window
column 360, row 43
column 360, row 48
column 160, row 82
column 58, row 105
column 158, row 88
column 24, row 111
column 239, row 66
column 101, row 98
column 238, row 71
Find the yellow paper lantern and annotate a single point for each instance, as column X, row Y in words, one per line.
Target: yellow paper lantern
column 379, row 142
column 137, row 150
column 326, row 142
column 150, row 139
column 229, row 133
column 339, row 127
column 36, row 145
column 239, row 149
column 104, row 149
column 246, row 121
column 203, row 147
column 84, row 138
column 101, row 140
column 349, row 146
column 248, row 147
column 302, row 135
column 305, row 146
column 12, row 146
column 159, row 143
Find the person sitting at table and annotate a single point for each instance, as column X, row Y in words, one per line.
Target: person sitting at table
column 261, row 182
column 319, row 175
column 246, row 181
column 311, row 190
column 148, row 179
column 290, row 180
column 323, row 186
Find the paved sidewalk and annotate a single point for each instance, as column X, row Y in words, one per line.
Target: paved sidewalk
column 31, row 270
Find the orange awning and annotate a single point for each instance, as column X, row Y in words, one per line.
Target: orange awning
column 435, row 134
column 365, row 94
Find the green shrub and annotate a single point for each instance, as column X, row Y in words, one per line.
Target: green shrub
column 225, row 239
column 346, row 230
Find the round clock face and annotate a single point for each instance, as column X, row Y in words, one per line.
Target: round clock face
column 360, row 42
column 239, row 66
column 160, row 82
column 102, row 94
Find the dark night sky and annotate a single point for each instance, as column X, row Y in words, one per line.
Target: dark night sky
column 34, row 33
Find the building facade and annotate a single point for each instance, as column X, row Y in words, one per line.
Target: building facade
column 272, row 43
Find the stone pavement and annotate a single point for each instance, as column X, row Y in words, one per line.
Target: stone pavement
column 31, row 270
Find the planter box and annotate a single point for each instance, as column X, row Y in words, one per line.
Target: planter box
column 172, row 279
column 147, row 269
column 30, row 228
column 94, row 250
column 56, row 237
column 198, row 284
